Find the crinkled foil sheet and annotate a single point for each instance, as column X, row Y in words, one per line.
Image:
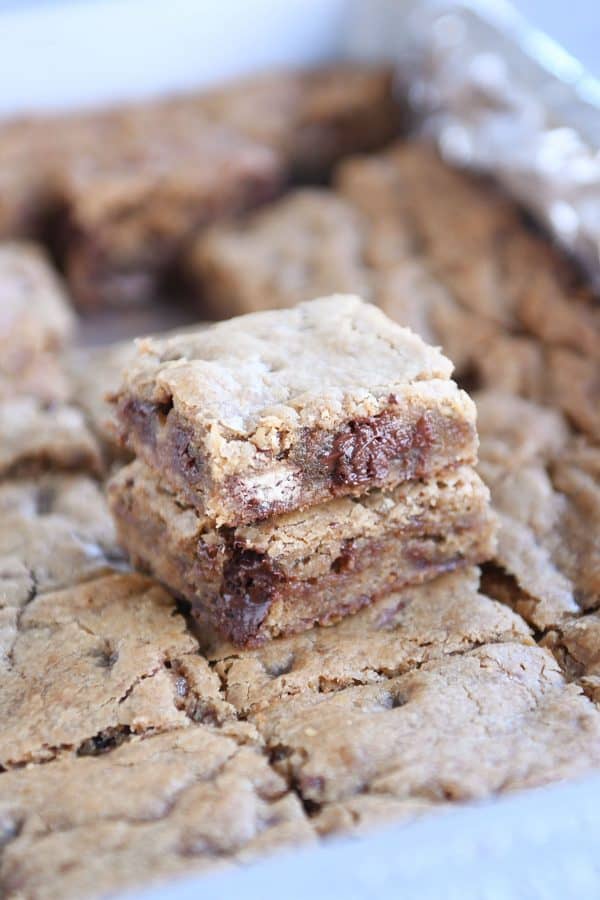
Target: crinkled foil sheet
column 501, row 97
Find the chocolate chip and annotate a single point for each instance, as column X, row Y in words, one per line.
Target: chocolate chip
column 362, row 453
column 104, row 741
column 249, row 587
column 106, row 656
column 279, row 752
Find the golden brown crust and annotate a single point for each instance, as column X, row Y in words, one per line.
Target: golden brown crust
column 55, row 531
column 544, row 488
column 184, row 801
column 396, row 736
column 111, row 658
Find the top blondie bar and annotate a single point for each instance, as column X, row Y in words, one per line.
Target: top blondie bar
column 283, row 409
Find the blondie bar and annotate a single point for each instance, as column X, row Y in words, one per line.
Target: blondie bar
column 312, row 118
column 282, row 410
column 151, row 810
column 110, row 658
column 544, row 486
column 498, row 717
column 307, row 245
column 37, row 436
column 129, row 214
column 35, row 321
column 284, row 575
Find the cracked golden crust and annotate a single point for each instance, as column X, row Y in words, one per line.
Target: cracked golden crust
column 544, row 488
column 55, row 531
column 110, row 657
column 496, row 718
column 576, row 646
column 173, row 803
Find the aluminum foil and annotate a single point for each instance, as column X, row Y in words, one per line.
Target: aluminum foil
column 501, row 97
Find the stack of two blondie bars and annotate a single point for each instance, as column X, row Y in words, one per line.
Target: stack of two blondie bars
column 293, row 466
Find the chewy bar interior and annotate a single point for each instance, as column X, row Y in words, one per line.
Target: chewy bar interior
column 282, row 410
column 293, row 571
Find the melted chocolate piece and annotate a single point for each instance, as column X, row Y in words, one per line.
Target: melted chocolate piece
column 140, row 416
column 144, row 418
column 249, row 587
column 346, row 560
column 363, row 451
column 104, row 741
column 185, row 459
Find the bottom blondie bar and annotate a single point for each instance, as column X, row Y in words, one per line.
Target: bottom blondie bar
column 284, row 575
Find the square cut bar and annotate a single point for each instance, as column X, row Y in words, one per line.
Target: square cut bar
column 281, row 410
column 35, row 318
column 308, row 244
column 259, row 581
column 129, row 212
column 312, row 118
